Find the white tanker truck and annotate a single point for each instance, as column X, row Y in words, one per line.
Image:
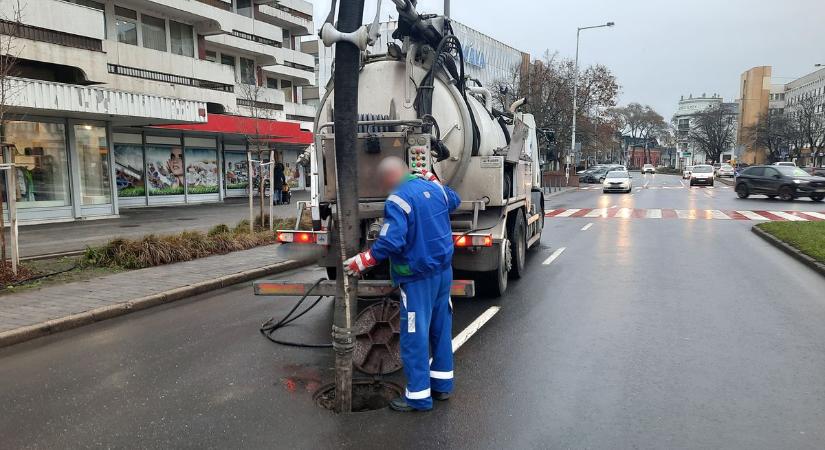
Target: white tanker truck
column 416, row 102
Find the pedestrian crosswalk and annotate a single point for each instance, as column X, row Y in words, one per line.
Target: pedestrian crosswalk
column 687, row 214
column 655, row 188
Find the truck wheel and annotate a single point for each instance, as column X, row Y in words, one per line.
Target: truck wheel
column 517, row 234
column 493, row 284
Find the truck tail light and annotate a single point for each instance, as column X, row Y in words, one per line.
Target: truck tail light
column 472, row 240
column 303, row 237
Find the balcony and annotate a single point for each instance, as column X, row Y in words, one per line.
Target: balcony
column 208, row 17
column 164, row 62
column 263, row 54
column 300, row 77
column 90, row 102
column 298, row 23
column 52, row 14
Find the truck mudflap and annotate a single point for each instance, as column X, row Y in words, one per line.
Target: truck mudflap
column 328, row 288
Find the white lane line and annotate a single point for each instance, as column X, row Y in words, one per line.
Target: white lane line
column 473, row 327
column 752, row 215
column 682, row 183
column 568, row 213
column 716, row 214
column 788, row 217
column 553, row 257
column 587, row 227
column 814, row 214
column 653, row 214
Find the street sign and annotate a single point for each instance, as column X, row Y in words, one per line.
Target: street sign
column 686, row 154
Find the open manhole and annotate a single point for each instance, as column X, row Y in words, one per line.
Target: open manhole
column 367, row 395
column 377, row 339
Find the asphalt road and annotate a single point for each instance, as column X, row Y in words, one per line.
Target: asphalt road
column 640, row 334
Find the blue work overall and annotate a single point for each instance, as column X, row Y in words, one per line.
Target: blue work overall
column 417, row 239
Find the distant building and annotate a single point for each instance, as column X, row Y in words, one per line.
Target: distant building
column 808, row 86
column 689, row 153
column 758, row 97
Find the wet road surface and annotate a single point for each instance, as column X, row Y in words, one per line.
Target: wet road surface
column 639, row 334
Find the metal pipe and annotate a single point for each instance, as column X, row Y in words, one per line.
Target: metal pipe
column 446, row 8
column 347, row 62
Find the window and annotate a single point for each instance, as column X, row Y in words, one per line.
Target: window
column 286, row 87
column 201, row 171
column 181, row 38
column 93, row 152
column 247, row 71
column 228, row 60
column 126, row 25
column 287, row 39
column 129, row 170
column 42, row 163
column 211, row 56
column 272, row 83
column 154, row 32
column 244, row 7
column 165, row 171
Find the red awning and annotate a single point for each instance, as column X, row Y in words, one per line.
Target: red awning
column 264, row 129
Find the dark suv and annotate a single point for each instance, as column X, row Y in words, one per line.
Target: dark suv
column 784, row 182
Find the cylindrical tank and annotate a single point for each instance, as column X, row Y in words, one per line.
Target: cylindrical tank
column 385, row 90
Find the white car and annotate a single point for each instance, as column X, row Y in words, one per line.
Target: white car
column 617, row 181
column 687, row 172
column 785, row 163
column 702, row 174
column 648, row 168
column 725, row 171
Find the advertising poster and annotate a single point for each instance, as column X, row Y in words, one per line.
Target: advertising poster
column 202, row 171
column 129, row 171
column 235, row 171
column 164, row 170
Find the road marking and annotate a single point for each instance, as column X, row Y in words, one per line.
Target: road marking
column 624, row 213
column 752, row 215
column 587, row 227
column 654, row 214
column 719, row 215
column 473, row 327
column 685, row 214
column 815, row 214
column 553, row 257
column 788, row 217
column 568, row 213
column 682, row 183
column 601, row 212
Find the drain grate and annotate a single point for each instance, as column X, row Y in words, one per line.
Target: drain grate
column 367, row 395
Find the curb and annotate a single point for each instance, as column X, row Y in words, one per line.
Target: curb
column 557, row 193
column 790, row 250
column 29, row 332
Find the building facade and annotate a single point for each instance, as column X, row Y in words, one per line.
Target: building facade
column 689, row 153
column 126, row 103
column 808, row 92
column 486, row 59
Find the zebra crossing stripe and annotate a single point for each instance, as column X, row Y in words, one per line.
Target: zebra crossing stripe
column 788, row 217
column 568, row 213
column 601, row 212
column 716, row 214
column 752, row 215
column 653, row 214
column 815, row 215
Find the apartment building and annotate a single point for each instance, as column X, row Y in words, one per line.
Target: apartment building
column 128, row 103
column 689, row 107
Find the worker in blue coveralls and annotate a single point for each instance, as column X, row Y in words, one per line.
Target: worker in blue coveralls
column 417, row 239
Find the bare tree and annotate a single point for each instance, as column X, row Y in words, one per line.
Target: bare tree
column 642, row 123
column 10, row 87
column 252, row 96
column 771, row 133
column 713, row 131
column 809, row 123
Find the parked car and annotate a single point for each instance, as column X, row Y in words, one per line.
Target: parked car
column 596, row 176
column 702, row 174
column 784, row 182
column 725, row 171
column 648, row 168
column 687, row 172
column 617, row 181
column 785, row 164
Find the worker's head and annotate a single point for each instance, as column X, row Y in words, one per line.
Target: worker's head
column 391, row 172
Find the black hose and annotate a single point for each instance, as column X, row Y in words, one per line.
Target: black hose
column 269, row 327
column 41, row 276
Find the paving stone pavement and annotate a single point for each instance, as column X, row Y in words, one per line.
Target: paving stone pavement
column 37, row 306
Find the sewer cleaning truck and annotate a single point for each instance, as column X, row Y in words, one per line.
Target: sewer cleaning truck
column 416, row 102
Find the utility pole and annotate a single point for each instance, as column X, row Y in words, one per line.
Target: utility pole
column 576, row 93
column 446, row 8
column 347, row 62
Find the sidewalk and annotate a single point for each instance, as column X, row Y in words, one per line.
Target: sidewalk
column 30, row 314
column 36, row 240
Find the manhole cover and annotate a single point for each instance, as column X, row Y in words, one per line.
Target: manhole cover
column 367, row 395
column 377, row 339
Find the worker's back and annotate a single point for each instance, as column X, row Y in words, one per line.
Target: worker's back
column 417, row 232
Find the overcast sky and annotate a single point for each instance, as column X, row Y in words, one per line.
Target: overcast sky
column 659, row 49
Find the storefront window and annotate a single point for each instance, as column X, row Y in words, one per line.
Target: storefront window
column 165, row 170
column 129, row 170
column 236, row 175
column 93, row 153
column 202, row 170
column 42, row 163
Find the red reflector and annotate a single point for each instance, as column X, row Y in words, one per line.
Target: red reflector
column 463, row 241
column 488, row 241
column 304, row 238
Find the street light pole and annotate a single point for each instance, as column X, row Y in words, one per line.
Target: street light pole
column 446, row 8
column 576, row 93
